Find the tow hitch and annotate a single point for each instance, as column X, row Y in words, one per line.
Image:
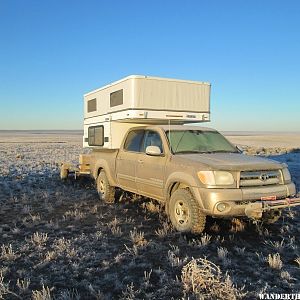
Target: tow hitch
column 256, row 209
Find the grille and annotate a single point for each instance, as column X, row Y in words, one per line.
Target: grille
column 260, row 178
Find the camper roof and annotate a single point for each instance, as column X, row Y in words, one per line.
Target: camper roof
column 144, row 76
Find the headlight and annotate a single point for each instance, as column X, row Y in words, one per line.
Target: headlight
column 286, row 175
column 216, row 177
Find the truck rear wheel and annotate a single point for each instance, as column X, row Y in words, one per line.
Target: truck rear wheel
column 105, row 190
column 185, row 213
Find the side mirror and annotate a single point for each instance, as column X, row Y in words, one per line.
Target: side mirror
column 153, row 150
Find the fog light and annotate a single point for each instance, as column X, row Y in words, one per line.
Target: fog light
column 221, row 207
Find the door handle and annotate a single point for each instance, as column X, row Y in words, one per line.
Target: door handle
column 140, row 161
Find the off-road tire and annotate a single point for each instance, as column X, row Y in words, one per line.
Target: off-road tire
column 105, row 190
column 185, row 213
column 271, row 217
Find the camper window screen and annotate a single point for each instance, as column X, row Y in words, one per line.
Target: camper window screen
column 92, row 105
column 116, row 98
column 96, row 136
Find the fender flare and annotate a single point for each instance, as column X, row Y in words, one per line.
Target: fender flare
column 183, row 178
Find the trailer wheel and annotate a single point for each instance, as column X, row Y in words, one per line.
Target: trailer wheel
column 185, row 213
column 64, row 172
column 271, row 217
column 105, row 190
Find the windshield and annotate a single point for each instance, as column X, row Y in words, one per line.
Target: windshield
column 198, row 141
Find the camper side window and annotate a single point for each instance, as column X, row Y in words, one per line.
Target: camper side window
column 92, row 105
column 116, row 98
column 96, row 136
column 134, row 141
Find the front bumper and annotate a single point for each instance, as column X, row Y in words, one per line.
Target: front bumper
column 246, row 201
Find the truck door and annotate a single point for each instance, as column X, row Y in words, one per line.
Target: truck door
column 150, row 170
column 127, row 160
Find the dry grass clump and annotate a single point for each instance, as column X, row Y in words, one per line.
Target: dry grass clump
column 76, row 214
column 278, row 246
column 134, row 251
column 7, row 253
column 23, row 284
column 223, row 255
column 35, row 218
column 275, row 261
column 114, row 228
column 147, row 277
column 39, row 239
column 129, row 293
column 173, row 257
column 237, row 225
column 151, row 207
column 204, row 280
column 174, row 260
column 204, row 241
column 138, row 238
column 4, row 287
column 44, row 294
column 60, row 245
column 239, row 250
column 5, row 290
column 297, row 260
column 164, row 230
column 285, row 275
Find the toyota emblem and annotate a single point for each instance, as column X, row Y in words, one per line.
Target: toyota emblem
column 264, row 177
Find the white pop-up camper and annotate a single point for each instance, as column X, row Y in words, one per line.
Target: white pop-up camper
column 111, row 110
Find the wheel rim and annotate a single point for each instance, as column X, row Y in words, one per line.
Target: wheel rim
column 102, row 186
column 182, row 213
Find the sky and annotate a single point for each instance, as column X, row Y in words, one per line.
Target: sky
column 54, row 51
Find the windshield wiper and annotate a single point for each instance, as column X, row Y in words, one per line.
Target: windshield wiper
column 205, row 152
column 222, row 151
column 189, row 151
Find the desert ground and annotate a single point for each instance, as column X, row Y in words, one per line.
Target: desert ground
column 59, row 241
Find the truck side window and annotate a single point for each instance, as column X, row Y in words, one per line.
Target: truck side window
column 134, row 140
column 152, row 138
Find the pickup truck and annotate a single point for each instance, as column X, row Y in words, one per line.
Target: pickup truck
column 196, row 172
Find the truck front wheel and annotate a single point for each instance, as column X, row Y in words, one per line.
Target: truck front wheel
column 105, row 190
column 185, row 213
